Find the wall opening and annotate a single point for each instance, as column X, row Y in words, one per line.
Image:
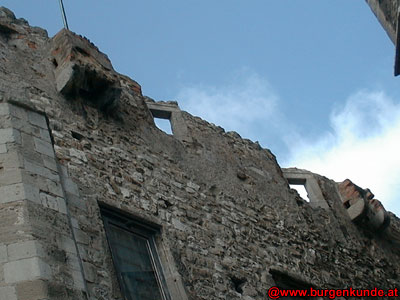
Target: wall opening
column 162, row 119
column 306, row 184
column 301, row 189
column 164, row 125
column 238, row 283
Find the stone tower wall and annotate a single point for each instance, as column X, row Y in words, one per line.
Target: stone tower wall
column 387, row 13
column 229, row 224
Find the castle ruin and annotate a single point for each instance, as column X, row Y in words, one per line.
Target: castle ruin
column 97, row 203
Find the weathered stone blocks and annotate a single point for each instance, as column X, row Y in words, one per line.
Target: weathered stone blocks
column 32, row 290
column 26, row 269
column 26, row 249
column 8, row 293
column 29, row 174
column 37, row 120
column 4, row 109
column 37, row 169
column 10, row 135
column 82, row 72
column 3, row 253
column 44, row 147
column 10, row 177
column 224, row 208
column 19, row 191
column 3, row 148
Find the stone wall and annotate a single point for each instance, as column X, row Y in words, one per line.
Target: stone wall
column 227, row 216
column 387, row 13
column 37, row 243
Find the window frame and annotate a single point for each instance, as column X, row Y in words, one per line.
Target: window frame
column 302, row 177
column 159, row 114
column 141, row 229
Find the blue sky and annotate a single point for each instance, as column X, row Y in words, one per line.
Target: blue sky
column 310, row 80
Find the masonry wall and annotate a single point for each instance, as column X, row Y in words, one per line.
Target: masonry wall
column 36, row 241
column 226, row 212
column 387, row 13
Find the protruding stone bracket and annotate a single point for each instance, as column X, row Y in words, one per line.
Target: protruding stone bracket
column 362, row 207
column 83, row 72
column 170, row 111
column 6, row 30
column 302, row 177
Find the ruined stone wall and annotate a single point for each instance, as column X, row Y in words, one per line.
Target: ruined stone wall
column 387, row 13
column 229, row 220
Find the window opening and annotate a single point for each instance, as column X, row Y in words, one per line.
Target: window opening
column 162, row 119
column 301, row 189
column 306, row 184
column 164, row 125
column 135, row 257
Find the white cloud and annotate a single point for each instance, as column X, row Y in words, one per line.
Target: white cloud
column 243, row 105
column 363, row 145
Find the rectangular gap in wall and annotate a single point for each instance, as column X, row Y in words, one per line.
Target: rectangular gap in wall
column 164, row 125
column 162, row 119
column 301, row 189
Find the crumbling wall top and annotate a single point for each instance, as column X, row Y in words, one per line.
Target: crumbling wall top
column 69, row 45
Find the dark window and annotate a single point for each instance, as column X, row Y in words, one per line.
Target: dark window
column 135, row 257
